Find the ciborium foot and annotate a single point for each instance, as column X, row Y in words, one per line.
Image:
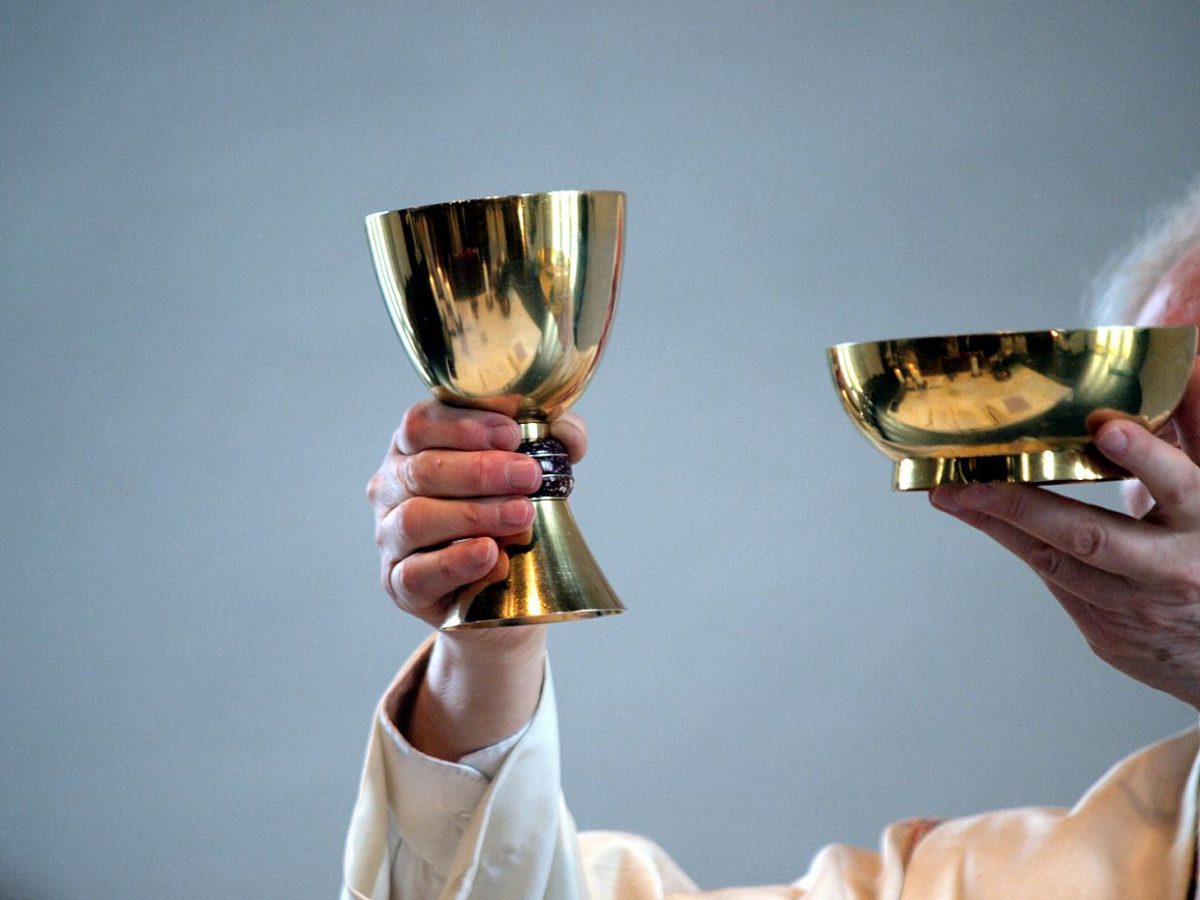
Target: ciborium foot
column 1041, row 467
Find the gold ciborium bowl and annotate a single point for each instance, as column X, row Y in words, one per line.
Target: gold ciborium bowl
column 505, row 303
column 1009, row 406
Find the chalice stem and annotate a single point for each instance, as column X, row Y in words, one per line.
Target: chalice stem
column 552, row 575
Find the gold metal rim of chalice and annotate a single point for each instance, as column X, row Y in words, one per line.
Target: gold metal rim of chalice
column 1009, row 406
column 506, row 303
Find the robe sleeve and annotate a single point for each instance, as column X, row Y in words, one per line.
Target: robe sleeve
column 425, row 828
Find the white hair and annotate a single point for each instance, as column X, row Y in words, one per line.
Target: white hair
column 1127, row 282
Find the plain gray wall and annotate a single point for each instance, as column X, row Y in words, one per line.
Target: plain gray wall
column 198, row 377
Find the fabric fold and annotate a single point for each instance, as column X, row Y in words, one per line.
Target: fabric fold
column 425, row 828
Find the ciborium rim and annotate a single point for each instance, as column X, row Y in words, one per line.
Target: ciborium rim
column 1009, row 332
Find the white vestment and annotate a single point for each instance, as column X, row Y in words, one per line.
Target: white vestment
column 495, row 827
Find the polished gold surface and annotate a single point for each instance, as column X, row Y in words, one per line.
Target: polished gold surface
column 552, row 576
column 505, row 303
column 1009, row 406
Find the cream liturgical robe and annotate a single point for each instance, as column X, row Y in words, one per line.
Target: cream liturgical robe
column 494, row 827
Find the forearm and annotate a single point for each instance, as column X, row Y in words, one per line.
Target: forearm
column 479, row 687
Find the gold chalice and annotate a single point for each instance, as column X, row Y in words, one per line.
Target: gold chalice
column 505, row 303
column 1009, row 406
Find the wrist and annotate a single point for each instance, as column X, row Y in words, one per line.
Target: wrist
column 478, row 688
column 492, row 651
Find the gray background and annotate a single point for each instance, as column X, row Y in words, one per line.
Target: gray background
column 198, row 377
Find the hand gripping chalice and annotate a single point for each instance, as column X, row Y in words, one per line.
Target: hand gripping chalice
column 505, row 304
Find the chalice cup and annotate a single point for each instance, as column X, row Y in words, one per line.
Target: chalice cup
column 505, row 304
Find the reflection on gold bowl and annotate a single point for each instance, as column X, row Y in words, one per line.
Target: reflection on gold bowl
column 1009, row 406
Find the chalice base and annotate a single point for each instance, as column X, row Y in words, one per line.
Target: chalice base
column 552, row 577
column 1083, row 463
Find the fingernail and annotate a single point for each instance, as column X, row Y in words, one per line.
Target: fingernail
column 523, row 475
column 515, row 512
column 506, row 436
column 944, row 499
column 1113, row 440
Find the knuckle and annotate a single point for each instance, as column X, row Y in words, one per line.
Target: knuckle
column 1175, row 495
column 408, row 517
column 410, row 475
column 475, row 431
column 374, row 487
column 385, row 578
column 1181, row 490
column 1046, row 560
column 412, row 425
column 1089, row 540
column 421, row 474
column 407, row 579
column 477, row 517
column 446, row 569
column 479, row 472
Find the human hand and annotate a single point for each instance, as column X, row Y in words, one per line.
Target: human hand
column 1131, row 583
column 449, row 485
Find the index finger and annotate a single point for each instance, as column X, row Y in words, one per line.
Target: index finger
column 432, row 425
column 1099, row 537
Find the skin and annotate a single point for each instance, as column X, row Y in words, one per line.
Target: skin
column 449, row 485
column 1130, row 583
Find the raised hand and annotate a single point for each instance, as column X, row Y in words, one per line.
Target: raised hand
column 449, row 485
column 1131, row 583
